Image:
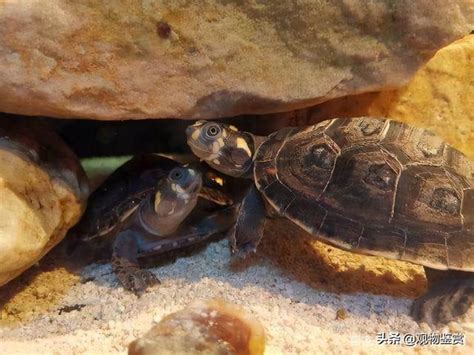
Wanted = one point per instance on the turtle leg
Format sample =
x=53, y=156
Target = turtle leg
x=125, y=264
x=450, y=295
x=248, y=230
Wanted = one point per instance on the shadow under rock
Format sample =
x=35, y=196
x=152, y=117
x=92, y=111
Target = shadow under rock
x=321, y=266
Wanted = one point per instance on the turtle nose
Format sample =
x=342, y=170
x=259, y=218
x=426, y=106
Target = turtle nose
x=196, y=183
x=190, y=130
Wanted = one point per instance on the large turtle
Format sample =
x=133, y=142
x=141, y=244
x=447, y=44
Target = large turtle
x=369, y=185
x=148, y=207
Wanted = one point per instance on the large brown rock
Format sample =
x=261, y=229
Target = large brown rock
x=43, y=191
x=440, y=97
x=138, y=59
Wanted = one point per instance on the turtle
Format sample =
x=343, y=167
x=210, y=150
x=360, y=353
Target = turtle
x=150, y=206
x=368, y=185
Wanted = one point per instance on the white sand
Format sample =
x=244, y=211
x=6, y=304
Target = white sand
x=298, y=318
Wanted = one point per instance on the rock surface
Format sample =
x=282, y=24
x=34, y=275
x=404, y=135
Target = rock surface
x=440, y=97
x=219, y=58
x=42, y=194
x=205, y=327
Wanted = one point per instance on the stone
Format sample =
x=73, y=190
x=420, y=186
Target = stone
x=204, y=327
x=43, y=192
x=215, y=58
x=440, y=97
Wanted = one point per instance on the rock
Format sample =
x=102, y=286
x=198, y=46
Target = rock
x=211, y=59
x=43, y=190
x=205, y=327
x=440, y=97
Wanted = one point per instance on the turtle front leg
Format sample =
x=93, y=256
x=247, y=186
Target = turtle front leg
x=449, y=297
x=248, y=230
x=125, y=264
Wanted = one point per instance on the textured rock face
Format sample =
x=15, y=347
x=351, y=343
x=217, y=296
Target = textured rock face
x=42, y=194
x=212, y=58
x=440, y=97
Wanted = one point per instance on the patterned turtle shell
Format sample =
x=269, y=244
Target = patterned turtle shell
x=374, y=186
x=121, y=193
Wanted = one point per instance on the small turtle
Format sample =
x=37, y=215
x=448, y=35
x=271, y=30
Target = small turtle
x=369, y=185
x=146, y=208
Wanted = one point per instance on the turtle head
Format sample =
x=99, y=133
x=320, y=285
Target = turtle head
x=177, y=195
x=222, y=146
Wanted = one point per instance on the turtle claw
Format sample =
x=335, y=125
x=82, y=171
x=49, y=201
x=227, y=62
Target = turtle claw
x=243, y=251
x=446, y=302
x=131, y=277
x=137, y=280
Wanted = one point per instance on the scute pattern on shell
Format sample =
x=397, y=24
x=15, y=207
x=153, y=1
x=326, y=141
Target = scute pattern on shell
x=375, y=186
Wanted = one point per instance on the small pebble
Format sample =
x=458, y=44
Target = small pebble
x=214, y=327
x=341, y=314
x=163, y=30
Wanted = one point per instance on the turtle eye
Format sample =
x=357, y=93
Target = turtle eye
x=176, y=174
x=213, y=130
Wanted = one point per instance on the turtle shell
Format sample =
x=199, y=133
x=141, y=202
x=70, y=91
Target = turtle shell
x=374, y=186
x=121, y=193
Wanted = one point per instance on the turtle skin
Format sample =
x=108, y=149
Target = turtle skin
x=117, y=197
x=378, y=187
x=110, y=227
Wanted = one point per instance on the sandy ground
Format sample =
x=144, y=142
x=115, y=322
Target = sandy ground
x=310, y=298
